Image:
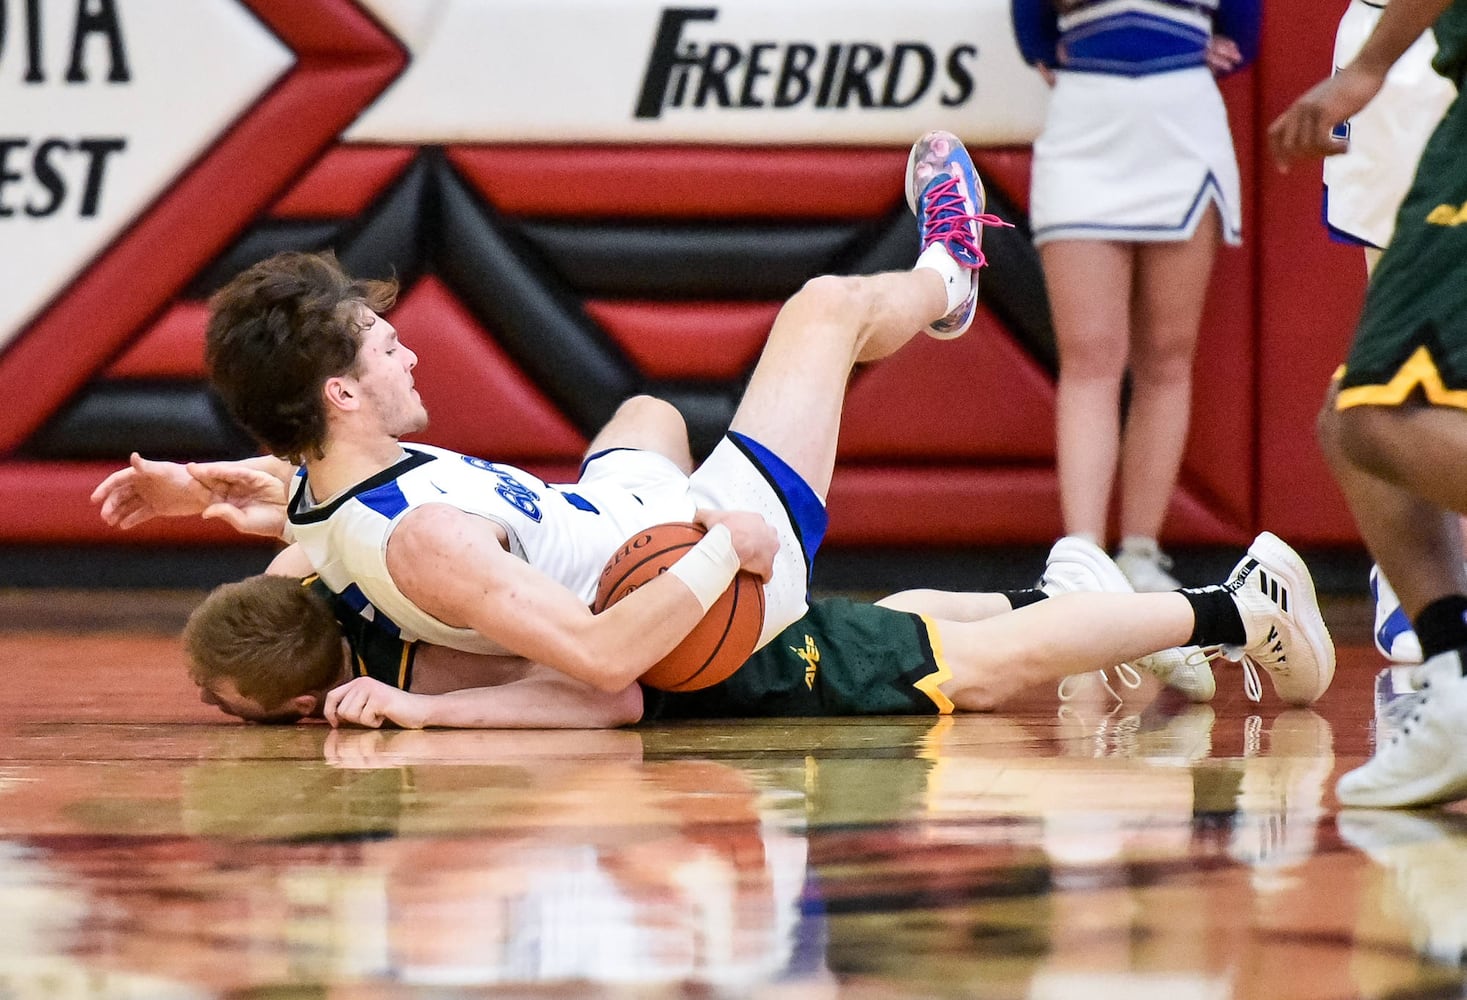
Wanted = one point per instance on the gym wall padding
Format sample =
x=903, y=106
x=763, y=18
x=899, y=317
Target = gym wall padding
x=543, y=283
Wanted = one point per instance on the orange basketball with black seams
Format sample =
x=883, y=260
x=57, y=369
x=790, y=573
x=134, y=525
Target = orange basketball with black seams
x=720, y=643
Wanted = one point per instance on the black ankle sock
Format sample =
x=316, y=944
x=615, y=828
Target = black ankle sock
x=1217, y=619
x=1023, y=598
x=1442, y=625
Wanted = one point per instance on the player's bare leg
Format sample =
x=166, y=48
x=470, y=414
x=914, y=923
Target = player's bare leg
x=793, y=402
x=1415, y=541
x=954, y=606
x=995, y=659
x=647, y=424
x=1266, y=611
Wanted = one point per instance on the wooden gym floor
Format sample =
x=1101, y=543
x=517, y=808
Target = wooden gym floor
x=151, y=848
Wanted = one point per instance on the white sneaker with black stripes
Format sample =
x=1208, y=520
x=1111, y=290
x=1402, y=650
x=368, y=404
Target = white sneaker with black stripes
x=1285, y=632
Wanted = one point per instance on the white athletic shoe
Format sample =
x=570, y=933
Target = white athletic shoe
x=1077, y=565
x=1146, y=567
x=1186, y=668
x=1285, y=633
x=1425, y=760
x=1394, y=637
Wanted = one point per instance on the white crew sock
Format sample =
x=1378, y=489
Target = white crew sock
x=956, y=278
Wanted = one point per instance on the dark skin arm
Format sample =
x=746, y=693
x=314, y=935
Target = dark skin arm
x=1303, y=131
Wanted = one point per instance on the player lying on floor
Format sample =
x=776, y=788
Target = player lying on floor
x=271, y=650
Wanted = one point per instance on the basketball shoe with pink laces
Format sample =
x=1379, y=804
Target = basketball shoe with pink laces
x=945, y=193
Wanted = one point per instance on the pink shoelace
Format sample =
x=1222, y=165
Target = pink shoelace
x=951, y=224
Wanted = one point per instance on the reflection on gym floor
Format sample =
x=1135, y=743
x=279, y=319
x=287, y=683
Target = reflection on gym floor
x=1138, y=848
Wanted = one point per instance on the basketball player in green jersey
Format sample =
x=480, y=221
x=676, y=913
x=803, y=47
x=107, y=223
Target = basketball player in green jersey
x=1394, y=429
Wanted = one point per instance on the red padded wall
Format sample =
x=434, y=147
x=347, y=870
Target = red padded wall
x=1308, y=296
x=945, y=444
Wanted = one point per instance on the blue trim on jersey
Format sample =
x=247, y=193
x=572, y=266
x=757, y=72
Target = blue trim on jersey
x=1209, y=185
x=386, y=500
x=316, y=515
x=357, y=601
x=353, y=597
x=579, y=502
x=807, y=513
x=586, y=462
x=1337, y=234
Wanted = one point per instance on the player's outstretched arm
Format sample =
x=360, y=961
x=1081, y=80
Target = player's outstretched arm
x=543, y=699
x=452, y=565
x=252, y=489
x=147, y=489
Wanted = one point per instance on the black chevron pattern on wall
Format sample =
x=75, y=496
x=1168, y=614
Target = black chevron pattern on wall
x=526, y=280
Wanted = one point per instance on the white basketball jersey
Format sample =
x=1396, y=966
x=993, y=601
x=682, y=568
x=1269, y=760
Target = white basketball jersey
x=1364, y=187
x=567, y=532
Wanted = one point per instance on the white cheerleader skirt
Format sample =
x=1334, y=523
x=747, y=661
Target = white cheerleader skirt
x=1364, y=187
x=1134, y=159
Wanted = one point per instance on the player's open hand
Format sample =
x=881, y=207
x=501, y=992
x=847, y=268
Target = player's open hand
x=248, y=499
x=1303, y=131
x=754, y=539
x=363, y=701
x=147, y=489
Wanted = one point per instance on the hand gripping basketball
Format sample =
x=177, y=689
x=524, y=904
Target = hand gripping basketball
x=720, y=643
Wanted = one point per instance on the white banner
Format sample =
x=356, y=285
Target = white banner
x=102, y=104
x=824, y=72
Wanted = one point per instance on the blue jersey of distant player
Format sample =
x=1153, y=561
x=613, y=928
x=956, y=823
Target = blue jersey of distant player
x=568, y=532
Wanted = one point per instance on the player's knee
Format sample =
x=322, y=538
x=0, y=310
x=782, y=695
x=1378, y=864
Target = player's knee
x=832, y=296
x=1369, y=437
x=652, y=413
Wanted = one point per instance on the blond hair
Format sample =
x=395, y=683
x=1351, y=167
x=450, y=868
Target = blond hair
x=273, y=637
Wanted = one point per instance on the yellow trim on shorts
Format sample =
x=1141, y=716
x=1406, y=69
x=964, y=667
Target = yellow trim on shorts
x=929, y=684
x=402, y=665
x=1418, y=371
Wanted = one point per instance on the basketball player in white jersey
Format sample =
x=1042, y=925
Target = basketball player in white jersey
x=269, y=648
x=486, y=558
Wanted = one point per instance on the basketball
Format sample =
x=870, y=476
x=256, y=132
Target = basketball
x=720, y=643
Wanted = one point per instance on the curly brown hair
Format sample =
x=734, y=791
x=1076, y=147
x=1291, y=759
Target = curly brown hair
x=273, y=637
x=276, y=333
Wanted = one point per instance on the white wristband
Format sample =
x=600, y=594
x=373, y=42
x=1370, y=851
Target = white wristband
x=708, y=567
